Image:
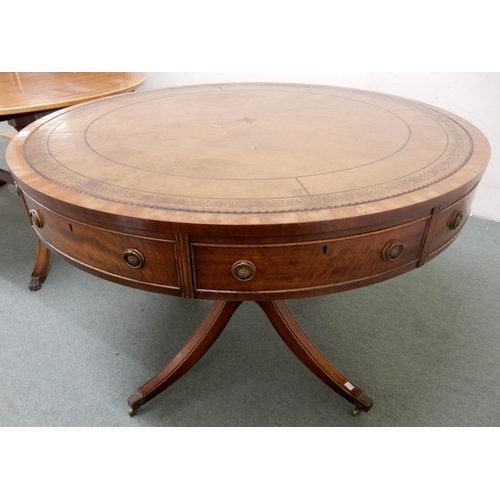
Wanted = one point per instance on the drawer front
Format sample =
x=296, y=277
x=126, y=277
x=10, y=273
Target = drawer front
x=308, y=265
x=450, y=222
x=138, y=259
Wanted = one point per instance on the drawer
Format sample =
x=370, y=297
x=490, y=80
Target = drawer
x=143, y=260
x=305, y=265
x=450, y=222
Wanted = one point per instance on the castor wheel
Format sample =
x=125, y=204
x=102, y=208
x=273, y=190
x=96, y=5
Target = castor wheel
x=356, y=411
x=132, y=412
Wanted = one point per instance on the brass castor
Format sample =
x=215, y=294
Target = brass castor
x=132, y=412
x=356, y=411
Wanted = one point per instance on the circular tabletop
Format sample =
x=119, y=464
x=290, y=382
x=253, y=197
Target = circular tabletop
x=34, y=92
x=249, y=154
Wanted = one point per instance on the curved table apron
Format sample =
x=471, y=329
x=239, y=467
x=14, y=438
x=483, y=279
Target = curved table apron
x=26, y=97
x=249, y=192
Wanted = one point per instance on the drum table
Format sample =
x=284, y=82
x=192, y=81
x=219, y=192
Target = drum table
x=25, y=97
x=248, y=192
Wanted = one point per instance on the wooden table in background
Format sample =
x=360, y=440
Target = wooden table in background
x=249, y=192
x=26, y=97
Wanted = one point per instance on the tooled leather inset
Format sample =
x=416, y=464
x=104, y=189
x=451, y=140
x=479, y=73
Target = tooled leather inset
x=449, y=159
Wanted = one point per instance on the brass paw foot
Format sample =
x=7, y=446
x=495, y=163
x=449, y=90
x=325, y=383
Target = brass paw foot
x=35, y=284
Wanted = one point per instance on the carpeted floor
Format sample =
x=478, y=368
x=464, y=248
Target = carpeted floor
x=425, y=346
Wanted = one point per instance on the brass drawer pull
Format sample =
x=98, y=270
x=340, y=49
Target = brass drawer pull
x=243, y=270
x=134, y=258
x=35, y=218
x=455, y=220
x=392, y=250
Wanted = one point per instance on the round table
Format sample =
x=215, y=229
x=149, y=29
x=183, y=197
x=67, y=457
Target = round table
x=26, y=97
x=249, y=192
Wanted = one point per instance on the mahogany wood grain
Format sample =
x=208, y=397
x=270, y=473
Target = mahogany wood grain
x=260, y=192
x=41, y=267
x=205, y=335
x=300, y=344
x=26, y=97
x=24, y=93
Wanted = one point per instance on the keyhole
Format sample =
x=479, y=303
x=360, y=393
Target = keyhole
x=325, y=247
x=70, y=227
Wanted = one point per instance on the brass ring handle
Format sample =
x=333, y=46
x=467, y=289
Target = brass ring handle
x=455, y=220
x=392, y=250
x=134, y=258
x=243, y=270
x=35, y=218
